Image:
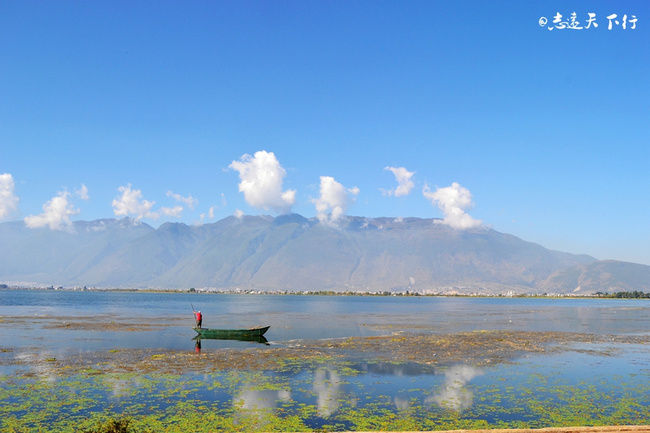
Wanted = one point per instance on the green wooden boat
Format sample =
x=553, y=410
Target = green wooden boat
x=231, y=333
x=252, y=338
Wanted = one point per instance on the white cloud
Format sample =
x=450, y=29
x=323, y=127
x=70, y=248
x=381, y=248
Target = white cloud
x=209, y=215
x=211, y=210
x=8, y=199
x=239, y=214
x=56, y=213
x=261, y=178
x=334, y=200
x=453, y=201
x=132, y=203
x=404, y=182
x=82, y=192
x=189, y=201
x=176, y=211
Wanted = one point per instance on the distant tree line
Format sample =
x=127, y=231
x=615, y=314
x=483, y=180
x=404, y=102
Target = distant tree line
x=635, y=294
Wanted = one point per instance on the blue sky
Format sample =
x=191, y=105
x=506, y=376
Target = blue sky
x=195, y=111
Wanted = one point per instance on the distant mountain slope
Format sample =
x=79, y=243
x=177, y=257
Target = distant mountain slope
x=49, y=256
x=291, y=252
x=607, y=276
x=144, y=258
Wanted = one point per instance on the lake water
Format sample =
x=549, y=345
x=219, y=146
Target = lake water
x=294, y=317
x=536, y=389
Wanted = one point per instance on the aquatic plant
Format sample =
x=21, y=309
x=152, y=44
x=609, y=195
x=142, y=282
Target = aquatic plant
x=315, y=392
x=122, y=425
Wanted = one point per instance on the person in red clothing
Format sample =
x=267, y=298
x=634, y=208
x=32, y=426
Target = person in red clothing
x=199, y=319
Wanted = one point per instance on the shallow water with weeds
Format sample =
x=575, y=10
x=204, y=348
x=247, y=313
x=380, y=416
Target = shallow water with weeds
x=336, y=394
x=384, y=379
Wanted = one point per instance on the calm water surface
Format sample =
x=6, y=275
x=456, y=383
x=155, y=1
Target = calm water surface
x=295, y=317
x=535, y=388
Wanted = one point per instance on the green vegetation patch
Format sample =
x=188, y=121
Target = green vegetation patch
x=321, y=387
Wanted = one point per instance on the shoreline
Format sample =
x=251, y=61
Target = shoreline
x=453, y=293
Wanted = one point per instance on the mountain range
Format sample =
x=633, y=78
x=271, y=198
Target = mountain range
x=294, y=253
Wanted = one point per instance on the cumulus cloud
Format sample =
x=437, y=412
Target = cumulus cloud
x=209, y=215
x=176, y=211
x=56, y=213
x=132, y=203
x=261, y=178
x=82, y=192
x=8, y=198
x=404, y=182
x=334, y=200
x=211, y=209
x=189, y=201
x=453, y=201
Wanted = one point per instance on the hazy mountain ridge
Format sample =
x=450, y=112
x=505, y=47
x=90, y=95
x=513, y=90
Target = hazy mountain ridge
x=291, y=252
x=607, y=276
x=43, y=254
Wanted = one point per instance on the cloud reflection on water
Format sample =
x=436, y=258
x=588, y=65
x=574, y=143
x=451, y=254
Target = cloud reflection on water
x=261, y=399
x=328, y=386
x=454, y=394
x=41, y=364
